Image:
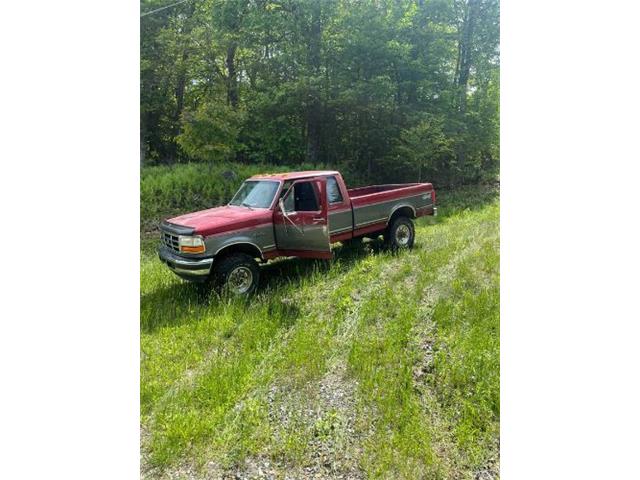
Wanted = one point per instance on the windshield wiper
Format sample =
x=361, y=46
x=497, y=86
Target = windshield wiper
x=246, y=205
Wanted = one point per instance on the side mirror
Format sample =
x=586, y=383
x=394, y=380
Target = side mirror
x=281, y=206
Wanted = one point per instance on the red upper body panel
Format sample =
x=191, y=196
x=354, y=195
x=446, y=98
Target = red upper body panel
x=223, y=219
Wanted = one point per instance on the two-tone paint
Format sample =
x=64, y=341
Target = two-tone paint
x=265, y=233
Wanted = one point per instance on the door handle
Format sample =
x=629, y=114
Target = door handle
x=318, y=219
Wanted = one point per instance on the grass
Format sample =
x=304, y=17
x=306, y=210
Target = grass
x=377, y=365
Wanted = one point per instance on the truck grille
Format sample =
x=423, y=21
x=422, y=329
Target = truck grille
x=170, y=241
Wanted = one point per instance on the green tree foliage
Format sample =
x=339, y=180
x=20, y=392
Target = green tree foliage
x=424, y=150
x=386, y=90
x=211, y=132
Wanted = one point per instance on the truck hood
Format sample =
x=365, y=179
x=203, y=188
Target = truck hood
x=222, y=219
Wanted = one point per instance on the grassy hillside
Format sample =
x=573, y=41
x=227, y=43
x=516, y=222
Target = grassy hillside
x=371, y=365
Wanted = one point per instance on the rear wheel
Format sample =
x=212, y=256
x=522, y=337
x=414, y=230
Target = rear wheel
x=400, y=234
x=237, y=274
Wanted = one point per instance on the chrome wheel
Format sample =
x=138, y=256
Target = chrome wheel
x=403, y=235
x=240, y=280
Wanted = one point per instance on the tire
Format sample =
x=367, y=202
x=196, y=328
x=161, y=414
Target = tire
x=237, y=274
x=400, y=234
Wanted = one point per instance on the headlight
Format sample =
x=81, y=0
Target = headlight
x=190, y=244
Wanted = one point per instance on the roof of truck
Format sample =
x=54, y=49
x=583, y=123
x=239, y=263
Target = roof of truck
x=294, y=175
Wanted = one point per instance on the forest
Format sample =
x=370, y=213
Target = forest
x=384, y=90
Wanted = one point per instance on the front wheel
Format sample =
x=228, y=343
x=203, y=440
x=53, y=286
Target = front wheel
x=237, y=274
x=400, y=234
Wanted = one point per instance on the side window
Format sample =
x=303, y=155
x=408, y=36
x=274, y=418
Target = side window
x=333, y=190
x=305, y=197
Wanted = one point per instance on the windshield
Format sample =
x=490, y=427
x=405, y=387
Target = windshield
x=255, y=194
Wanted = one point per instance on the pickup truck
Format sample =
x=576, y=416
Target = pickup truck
x=297, y=214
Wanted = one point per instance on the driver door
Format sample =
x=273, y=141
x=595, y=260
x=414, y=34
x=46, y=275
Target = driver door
x=301, y=220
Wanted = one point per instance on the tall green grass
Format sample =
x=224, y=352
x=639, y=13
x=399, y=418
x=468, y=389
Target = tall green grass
x=466, y=373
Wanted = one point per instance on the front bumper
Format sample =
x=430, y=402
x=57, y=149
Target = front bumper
x=192, y=269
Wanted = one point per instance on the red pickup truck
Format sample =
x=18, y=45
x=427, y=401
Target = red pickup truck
x=298, y=214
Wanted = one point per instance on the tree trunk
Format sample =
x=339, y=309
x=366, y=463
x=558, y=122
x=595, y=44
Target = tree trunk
x=419, y=45
x=313, y=107
x=232, y=76
x=180, y=86
x=465, y=48
x=176, y=127
x=143, y=149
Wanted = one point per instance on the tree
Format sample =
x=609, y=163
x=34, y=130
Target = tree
x=211, y=132
x=425, y=149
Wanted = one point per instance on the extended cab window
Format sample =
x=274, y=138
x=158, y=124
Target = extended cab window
x=333, y=190
x=255, y=194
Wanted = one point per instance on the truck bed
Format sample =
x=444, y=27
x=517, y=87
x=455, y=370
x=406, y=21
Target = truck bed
x=374, y=205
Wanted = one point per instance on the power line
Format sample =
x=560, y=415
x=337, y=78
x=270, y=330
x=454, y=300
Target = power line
x=163, y=8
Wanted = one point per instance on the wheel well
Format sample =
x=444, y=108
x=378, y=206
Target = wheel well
x=405, y=211
x=247, y=248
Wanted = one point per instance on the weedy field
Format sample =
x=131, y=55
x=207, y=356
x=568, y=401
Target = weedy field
x=372, y=365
